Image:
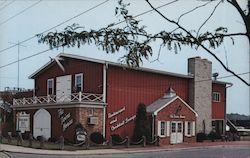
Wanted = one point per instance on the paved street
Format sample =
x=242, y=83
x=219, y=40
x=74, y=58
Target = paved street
x=211, y=152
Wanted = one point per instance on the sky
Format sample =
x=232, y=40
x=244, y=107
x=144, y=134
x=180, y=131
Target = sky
x=23, y=19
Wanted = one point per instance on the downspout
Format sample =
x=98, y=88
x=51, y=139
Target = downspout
x=104, y=92
x=225, y=112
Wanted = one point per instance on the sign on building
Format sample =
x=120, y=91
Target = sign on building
x=23, y=122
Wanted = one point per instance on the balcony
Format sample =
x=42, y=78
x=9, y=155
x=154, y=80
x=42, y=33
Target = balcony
x=54, y=99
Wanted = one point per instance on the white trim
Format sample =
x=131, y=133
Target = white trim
x=104, y=89
x=186, y=128
x=81, y=75
x=168, y=128
x=159, y=129
x=193, y=128
x=177, y=97
x=51, y=79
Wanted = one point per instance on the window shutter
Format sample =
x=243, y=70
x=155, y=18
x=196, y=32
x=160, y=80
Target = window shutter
x=186, y=128
x=193, y=128
x=168, y=128
x=159, y=128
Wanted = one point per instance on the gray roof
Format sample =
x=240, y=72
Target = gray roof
x=73, y=56
x=159, y=104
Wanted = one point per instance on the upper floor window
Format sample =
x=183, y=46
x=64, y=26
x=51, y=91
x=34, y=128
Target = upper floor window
x=79, y=82
x=216, y=97
x=50, y=86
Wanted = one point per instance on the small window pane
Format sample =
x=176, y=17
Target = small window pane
x=162, y=128
x=179, y=127
x=189, y=128
x=173, y=127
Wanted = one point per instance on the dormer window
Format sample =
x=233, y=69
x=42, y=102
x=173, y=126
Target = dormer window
x=169, y=93
x=50, y=86
x=79, y=82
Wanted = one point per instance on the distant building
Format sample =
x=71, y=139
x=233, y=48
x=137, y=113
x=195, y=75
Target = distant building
x=103, y=96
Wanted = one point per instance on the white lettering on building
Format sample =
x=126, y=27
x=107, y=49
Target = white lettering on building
x=65, y=119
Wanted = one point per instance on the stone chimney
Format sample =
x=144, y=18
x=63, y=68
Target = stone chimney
x=200, y=92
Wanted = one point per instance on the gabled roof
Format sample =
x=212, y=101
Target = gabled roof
x=162, y=102
x=64, y=55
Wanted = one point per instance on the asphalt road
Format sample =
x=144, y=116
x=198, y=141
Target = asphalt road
x=212, y=152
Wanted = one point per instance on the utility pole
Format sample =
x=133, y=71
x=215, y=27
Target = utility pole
x=18, y=58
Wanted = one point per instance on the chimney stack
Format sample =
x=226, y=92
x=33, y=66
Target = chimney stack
x=200, y=92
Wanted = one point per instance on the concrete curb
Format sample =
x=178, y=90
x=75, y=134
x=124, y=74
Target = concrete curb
x=104, y=151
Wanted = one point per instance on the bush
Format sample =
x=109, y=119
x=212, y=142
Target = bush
x=201, y=137
x=116, y=138
x=39, y=138
x=213, y=135
x=97, y=137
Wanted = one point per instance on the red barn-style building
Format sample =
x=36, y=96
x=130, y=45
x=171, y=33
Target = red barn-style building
x=103, y=96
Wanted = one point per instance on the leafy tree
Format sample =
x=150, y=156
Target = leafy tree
x=137, y=42
x=141, y=123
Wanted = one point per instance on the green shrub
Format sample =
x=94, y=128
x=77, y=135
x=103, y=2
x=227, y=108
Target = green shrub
x=201, y=137
x=213, y=135
x=97, y=137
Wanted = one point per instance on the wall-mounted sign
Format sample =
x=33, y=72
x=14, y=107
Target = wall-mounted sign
x=177, y=116
x=23, y=122
x=81, y=135
x=65, y=119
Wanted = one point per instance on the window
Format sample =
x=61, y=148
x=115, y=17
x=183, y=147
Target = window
x=50, y=86
x=179, y=129
x=189, y=128
x=163, y=129
x=216, y=97
x=79, y=82
x=90, y=112
x=173, y=126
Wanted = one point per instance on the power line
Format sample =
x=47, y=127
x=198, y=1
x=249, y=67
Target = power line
x=7, y=5
x=19, y=13
x=92, y=8
x=80, y=15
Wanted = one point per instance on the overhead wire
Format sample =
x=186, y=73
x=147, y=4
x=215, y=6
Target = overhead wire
x=31, y=6
x=80, y=15
x=7, y=5
x=92, y=8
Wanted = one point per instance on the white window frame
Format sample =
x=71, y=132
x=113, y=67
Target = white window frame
x=189, y=128
x=216, y=97
x=77, y=75
x=52, y=80
x=165, y=128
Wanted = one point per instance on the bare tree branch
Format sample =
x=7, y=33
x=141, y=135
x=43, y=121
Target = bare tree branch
x=198, y=43
x=203, y=5
x=208, y=18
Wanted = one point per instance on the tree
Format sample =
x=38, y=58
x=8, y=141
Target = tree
x=137, y=42
x=141, y=124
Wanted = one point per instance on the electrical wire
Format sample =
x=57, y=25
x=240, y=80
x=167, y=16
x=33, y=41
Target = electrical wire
x=5, y=21
x=80, y=15
x=7, y=5
x=92, y=8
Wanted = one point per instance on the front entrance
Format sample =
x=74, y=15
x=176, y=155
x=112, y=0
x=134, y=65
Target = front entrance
x=63, y=88
x=42, y=124
x=176, y=132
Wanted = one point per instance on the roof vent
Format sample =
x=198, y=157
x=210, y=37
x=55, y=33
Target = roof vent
x=169, y=93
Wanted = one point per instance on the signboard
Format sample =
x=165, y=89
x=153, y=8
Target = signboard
x=23, y=122
x=65, y=119
x=81, y=135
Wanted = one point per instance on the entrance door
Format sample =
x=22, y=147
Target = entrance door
x=63, y=88
x=42, y=124
x=176, y=132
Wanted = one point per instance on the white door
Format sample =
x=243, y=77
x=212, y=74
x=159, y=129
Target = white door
x=63, y=88
x=176, y=132
x=42, y=124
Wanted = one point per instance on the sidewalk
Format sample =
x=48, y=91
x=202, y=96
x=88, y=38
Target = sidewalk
x=185, y=146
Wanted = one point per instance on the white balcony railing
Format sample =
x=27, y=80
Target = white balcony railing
x=50, y=99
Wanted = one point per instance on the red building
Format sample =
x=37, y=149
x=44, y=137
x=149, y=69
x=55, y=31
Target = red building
x=103, y=96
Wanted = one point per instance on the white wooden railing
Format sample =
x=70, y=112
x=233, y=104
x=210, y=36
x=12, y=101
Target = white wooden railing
x=74, y=97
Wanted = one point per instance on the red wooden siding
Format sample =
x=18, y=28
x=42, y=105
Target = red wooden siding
x=218, y=108
x=126, y=87
x=92, y=73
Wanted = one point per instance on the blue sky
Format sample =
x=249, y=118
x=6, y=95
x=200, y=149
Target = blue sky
x=49, y=13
